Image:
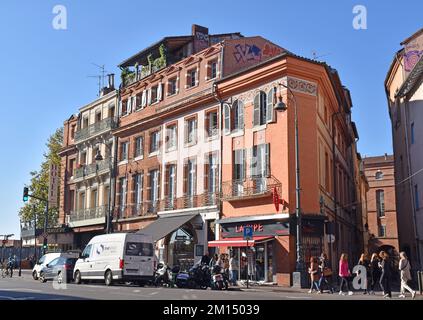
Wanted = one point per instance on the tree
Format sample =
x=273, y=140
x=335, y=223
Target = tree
x=40, y=183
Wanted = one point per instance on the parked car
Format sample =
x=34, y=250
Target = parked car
x=60, y=268
x=41, y=263
x=123, y=257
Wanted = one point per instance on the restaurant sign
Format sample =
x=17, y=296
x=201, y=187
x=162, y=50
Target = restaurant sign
x=260, y=228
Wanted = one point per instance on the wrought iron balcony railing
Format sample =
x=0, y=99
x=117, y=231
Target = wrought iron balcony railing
x=93, y=168
x=88, y=214
x=148, y=208
x=96, y=128
x=251, y=187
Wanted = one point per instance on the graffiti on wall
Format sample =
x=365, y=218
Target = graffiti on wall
x=411, y=58
x=251, y=52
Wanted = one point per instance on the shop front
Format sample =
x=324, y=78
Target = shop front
x=256, y=257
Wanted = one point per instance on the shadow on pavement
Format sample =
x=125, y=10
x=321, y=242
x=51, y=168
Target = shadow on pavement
x=22, y=295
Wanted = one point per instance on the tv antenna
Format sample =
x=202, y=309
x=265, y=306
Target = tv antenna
x=100, y=77
x=315, y=56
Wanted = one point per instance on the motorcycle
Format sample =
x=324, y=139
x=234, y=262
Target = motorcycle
x=163, y=275
x=219, y=279
x=197, y=276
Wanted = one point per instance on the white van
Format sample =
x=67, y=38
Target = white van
x=117, y=257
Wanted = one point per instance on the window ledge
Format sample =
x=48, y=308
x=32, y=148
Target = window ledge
x=259, y=128
x=237, y=133
x=138, y=158
x=171, y=95
x=190, y=144
x=171, y=149
x=215, y=137
x=189, y=88
x=153, y=154
x=123, y=162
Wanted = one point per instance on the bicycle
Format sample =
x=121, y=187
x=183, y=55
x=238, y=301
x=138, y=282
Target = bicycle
x=5, y=272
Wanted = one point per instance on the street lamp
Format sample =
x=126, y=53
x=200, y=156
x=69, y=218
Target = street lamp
x=299, y=276
x=98, y=158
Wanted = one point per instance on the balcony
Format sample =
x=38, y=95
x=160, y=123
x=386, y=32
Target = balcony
x=250, y=188
x=95, y=129
x=133, y=76
x=86, y=217
x=149, y=208
x=93, y=169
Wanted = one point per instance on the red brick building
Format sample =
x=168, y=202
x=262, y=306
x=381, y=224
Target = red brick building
x=381, y=207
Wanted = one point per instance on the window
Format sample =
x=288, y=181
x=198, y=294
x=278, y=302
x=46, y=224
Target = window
x=137, y=249
x=327, y=173
x=382, y=231
x=138, y=99
x=156, y=93
x=171, y=89
x=379, y=175
x=190, y=177
x=139, y=147
x=260, y=161
x=85, y=122
x=239, y=169
x=71, y=167
x=154, y=187
x=380, y=203
x=171, y=137
x=191, y=131
x=98, y=116
x=170, y=180
x=124, y=107
x=83, y=158
x=416, y=197
x=263, y=107
x=212, y=69
x=211, y=172
x=81, y=201
x=94, y=198
x=192, y=78
x=87, y=251
x=124, y=151
x=212, y=123
x=122, y=194
x=154, y=141
x=412, y=133
x=72, y=132
x=237, y=115
x=138, y=189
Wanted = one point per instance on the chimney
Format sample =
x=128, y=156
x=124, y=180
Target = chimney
x=111, y=79
x=201, y=37
x=386, y=156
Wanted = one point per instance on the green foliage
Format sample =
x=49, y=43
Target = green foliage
x=39, y=184
x=161, y=61
x=126, y=75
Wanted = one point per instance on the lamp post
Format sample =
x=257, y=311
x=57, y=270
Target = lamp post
x=99, y=157
x=20, y=251
x=299, y=276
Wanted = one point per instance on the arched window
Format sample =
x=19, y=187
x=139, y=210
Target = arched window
x=379, y=175
x=237, y=115
x=263, y=107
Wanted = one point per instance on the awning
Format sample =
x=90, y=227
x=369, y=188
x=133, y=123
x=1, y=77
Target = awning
x=239, y=242
x=165, y=225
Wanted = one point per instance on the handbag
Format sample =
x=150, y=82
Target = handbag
x=327, y=272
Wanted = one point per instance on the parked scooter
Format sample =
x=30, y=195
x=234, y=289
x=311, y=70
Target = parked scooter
x=163, y=275
x=197, y=276
x=219, y=279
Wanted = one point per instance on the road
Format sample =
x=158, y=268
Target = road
x=25, y=288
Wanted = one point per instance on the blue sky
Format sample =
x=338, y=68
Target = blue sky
x=44, y=72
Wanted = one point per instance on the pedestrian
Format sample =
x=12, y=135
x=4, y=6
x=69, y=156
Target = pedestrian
x=314, y=274
x=404, y=267
x=233, y=269
x=221, y=261
x=374, y=272
x=10, y=265
x=385, y=277
x=226, y=265
x=213, y=261
x=325, y=273
x=205, y=259
x=364, y=261
x=344, y=274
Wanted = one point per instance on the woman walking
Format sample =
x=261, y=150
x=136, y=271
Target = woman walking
x=344, y=273
x=404, y=267
x=314, y=274
x=365, y=263
x=325, y=273
x=374, y=272
x=385, y=278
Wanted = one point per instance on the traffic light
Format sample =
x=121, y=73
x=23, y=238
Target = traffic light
x=25, y=194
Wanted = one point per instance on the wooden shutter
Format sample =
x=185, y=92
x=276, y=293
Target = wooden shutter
x=253, y=159
x=269, y=110
x=267, y=159
x=149, y=96
x=186, y=131
x=240, y=115
x=159, y=196
x=144, y=99
x=159, y=91
x=206, y=172
x=149, y=186
x=227, y=116
x=186, y=176
x=120, y=109
x=256, y=115
x=166, y=182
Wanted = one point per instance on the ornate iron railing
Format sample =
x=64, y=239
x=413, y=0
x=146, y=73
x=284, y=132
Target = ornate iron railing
x=93, y=168
x=250, y=187
x=87, y=214
x=96, y=128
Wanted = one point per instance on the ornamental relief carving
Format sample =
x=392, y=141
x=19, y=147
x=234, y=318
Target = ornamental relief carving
x=295, y=84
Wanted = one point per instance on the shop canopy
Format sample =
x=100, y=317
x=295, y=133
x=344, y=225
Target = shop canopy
x=165, y=225
x=239, y=242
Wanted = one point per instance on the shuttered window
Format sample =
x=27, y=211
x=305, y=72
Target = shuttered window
x=237, y=115
x=260, y=161
x=263, y=108
x=227, y=118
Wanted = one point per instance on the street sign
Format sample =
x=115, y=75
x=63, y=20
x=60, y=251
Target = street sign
x=53, y=185
x=248, y=233
x=331, y=238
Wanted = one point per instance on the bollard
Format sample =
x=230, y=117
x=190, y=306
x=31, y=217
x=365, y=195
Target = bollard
x=420, y=280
